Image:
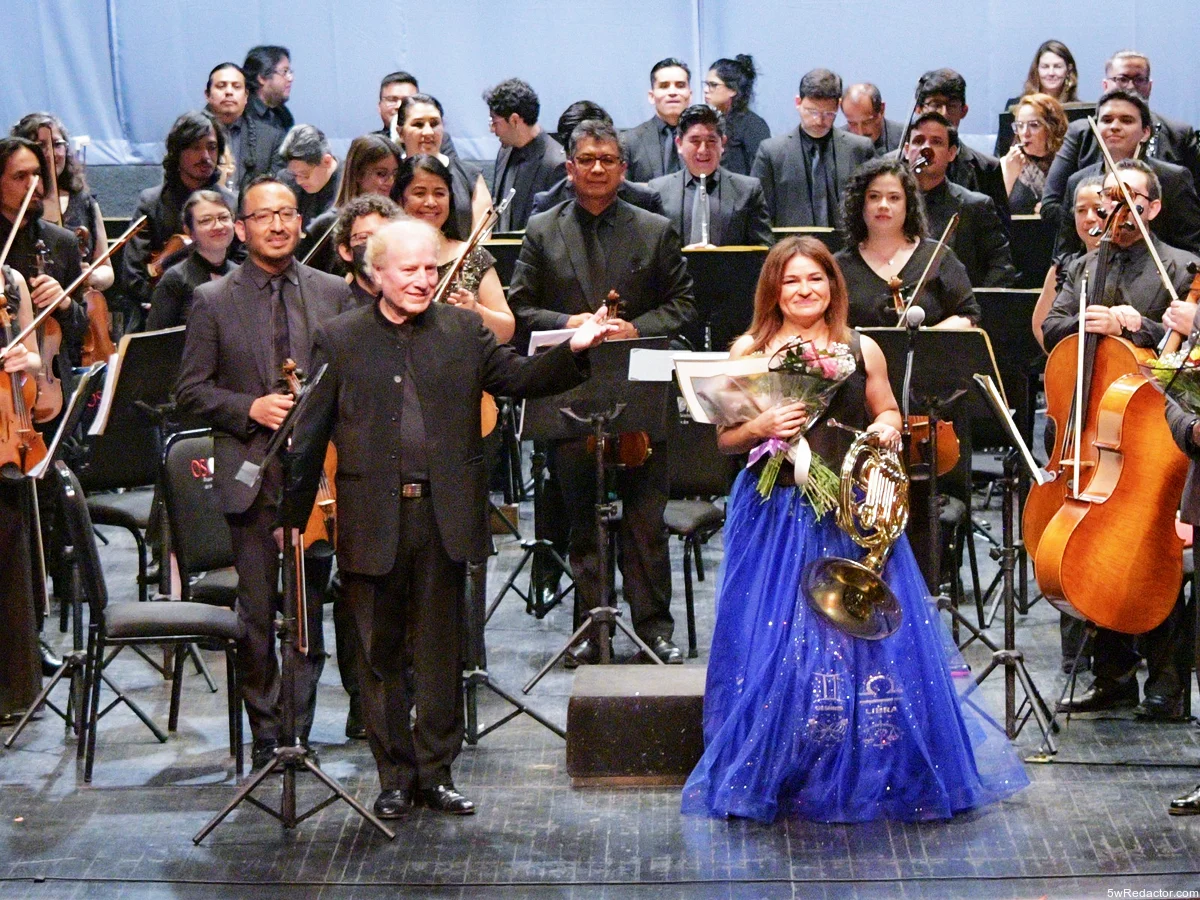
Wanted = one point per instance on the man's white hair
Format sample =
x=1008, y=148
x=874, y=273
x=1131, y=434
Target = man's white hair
x=396, y=234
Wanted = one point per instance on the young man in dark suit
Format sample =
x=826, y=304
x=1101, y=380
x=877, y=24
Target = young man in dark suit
x=804, y=172
x=270, y=76
x=252, y=144
x=240, y=331
x=737, y=210
x=530, y=160
x=412, y=496
x=652, y=144
x=573, y=258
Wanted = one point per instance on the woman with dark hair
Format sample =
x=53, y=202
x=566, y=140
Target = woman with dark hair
x=800, y=718
x=1039, y=126
x=77, y=206
x=425, y=188
x=1053, y=72
x=886, y=245
x=420, y=121
x=728, y=88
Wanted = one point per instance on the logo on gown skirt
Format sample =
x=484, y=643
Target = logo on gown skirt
x=879, y=709
x=828, y=721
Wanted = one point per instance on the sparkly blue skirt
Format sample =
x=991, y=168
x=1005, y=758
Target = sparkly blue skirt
x=803, y=720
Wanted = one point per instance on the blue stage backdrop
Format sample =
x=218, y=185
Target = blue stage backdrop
x=120, y=71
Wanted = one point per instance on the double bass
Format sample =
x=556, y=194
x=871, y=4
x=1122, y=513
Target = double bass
x=1102, y=531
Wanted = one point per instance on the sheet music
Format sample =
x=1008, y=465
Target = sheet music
x=110, y=388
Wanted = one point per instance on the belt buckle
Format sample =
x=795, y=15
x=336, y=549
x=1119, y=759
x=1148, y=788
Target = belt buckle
x=412, y=491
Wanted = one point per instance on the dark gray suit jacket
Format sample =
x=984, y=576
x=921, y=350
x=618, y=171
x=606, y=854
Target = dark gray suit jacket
x=644, y=265
x=1181, y=422
x=228, y=364
x=779, y=165
x=355, y=405
x=980, y=241
x=645, y=147
x=633, y=192
x=743, y=218
x=543, y=164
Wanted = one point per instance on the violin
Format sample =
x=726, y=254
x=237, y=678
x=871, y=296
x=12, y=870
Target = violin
x=97, y=343
x=322, y=521
x=924, y=158
x=159, y=261
x=49, y=402
x=20, y=444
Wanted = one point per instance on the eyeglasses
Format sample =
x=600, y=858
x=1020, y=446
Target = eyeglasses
x=1130, y=80
x=289, y=72
x=816, y=115
x=360, y=238
x=287, y=215
x=713, y=85
x=1031, y=125
x=218, y=219
x=587, y=161
x=59, y=144
x=942, y=106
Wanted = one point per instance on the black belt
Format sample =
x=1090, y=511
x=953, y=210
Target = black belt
x=414, y=490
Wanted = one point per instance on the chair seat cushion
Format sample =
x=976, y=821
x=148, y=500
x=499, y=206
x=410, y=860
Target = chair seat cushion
x=685, y=517
x=218, y=587
x=124, y=509
x=170, y=619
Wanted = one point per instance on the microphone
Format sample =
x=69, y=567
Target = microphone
x=914, y=316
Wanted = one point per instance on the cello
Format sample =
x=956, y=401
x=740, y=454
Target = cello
x=1110, y=554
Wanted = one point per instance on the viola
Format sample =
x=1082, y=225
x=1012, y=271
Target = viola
x=49, y=402
x=20, y=444
x=97, y=343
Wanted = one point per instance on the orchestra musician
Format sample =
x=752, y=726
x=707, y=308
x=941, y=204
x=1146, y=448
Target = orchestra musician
x=241, y=330
x=864, y=109
x=736, y=209
x=393, y=88
x=411, y=517
x=651, y=144
x=270, y=76
x=208, y=221
x=729, y=88
x=530, y=160
x=1132, y=307
x=1039, y=125
x=356, y=221
x=251, y=144
x=312, y=172
x=572, y=257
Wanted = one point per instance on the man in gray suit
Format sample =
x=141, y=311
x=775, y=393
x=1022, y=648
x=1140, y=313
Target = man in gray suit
x=240, y=331
x=530, y=160
x=652, y=144
x=735, y=206
x=804, y=172
x=864, y=109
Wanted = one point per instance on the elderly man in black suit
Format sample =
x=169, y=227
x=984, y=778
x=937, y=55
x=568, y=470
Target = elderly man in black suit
x=530, y=160
x=574, y=257
x=651, y=145
x=252, y=145
x=240, y=332
x=980, y=241
x=739, y=214
x=804, y=172
x=1125, y=123
x=412, y=496
x=1169, y=140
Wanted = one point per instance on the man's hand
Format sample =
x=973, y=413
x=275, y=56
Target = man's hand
x=463, y=298
x=592, y=330
x=44, y=289
x=271, y=409
x=625, y=330
x=1179, y=316
x=1111, y=320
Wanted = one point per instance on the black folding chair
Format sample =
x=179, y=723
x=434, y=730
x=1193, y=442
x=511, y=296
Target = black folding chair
x=133, y=624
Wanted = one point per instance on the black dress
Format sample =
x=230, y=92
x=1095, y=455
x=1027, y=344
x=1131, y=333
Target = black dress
x=745, y=130
x=947, y=292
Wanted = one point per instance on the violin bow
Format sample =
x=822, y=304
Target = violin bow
x=33, y=183
x=938, y=252
x=74, y=285
x=319, y=244
x=492, y=217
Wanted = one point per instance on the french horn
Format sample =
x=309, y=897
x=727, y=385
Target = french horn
x=873, y=510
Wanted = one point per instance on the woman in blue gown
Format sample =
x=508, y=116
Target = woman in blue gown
x=801, y=719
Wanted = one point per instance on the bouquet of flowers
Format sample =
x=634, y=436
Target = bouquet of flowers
x=1177, y=375
x=799, y=371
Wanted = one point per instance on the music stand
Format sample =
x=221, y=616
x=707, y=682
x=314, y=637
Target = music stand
x=724, y=279
x=139, y=387
x=603, y=406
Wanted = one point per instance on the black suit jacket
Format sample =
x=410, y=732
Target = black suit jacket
x=980, y=241
x=1178, y=224
x=640, y=195
x=172, y=298
x=743, y=218
x=543, y=163
x=228, y=364
x=645, y=147
x=779, y=165
x=356, y=406
x=1171, y=141
x=550, y=281
x=1181, y=422
x=260, y=149
x=981, y=173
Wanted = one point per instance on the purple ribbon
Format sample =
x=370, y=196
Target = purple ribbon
x=771, y=446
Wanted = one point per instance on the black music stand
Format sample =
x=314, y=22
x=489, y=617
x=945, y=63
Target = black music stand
x=607, y=404
x=290, y=756
x=724, y=279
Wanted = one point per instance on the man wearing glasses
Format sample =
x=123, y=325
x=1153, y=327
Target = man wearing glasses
x=269, y=75
x=804, y=172
x=864, y=109
x=1169, y=140
x=240, y=331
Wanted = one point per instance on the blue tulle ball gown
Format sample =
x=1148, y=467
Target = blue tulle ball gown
x=803, y=720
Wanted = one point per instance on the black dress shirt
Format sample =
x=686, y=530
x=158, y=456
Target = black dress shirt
x=298, y=337
x=810, y=146
x=171, y=300
x=414, y=465
x=980, y=241
x=279, y=116
x=744, y=131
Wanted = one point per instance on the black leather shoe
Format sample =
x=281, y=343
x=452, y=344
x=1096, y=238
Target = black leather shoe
x=262, y=753
x=1083, y=665
x=444, y=798
x=50, y=662
x=355, y=728
x=1102, y=695
x=393, y=804
x=1161, y=709
x=1187, y=805
x=585, y=653
x=666, y=651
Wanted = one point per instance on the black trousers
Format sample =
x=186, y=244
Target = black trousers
x=643, y=553
x=1166, y=648
x=409, y=628
x=20, y=662
x=256, y=558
